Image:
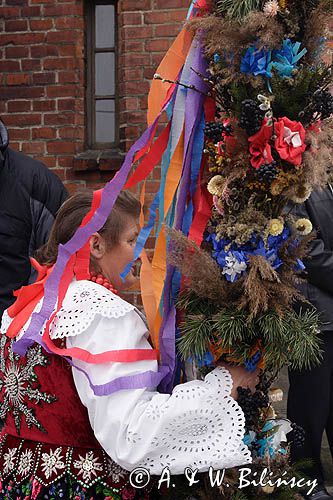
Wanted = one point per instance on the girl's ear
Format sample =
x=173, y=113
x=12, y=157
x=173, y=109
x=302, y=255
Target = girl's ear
x=97, y=246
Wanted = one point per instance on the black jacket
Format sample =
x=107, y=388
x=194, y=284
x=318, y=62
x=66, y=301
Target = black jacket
x=319, y=266
x=30, y=196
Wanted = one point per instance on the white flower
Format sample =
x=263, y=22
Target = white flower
x=88, y=466
x=51, y=462
x=280, y=436
x=233, y=267
x=9, y=460
x=271, y=8
x=26, y=463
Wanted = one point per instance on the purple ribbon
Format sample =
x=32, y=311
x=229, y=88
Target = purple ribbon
x=137, y=381
x=193, y=113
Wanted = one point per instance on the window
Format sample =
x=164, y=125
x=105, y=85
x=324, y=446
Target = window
x=101, y=74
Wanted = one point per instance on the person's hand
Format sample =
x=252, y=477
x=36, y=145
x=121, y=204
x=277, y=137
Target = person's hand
x=241, y=378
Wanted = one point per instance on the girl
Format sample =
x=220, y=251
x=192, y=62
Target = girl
x=75, y=433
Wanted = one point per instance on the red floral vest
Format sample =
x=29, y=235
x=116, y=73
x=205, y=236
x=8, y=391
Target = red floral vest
x=47, y=433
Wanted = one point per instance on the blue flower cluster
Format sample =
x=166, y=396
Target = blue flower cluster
x=284, y=61
x=233, y=259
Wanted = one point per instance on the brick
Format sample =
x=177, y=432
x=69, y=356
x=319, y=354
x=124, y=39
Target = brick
x=59, y=119
x=21, y=92
x=17, y=2
x=131, y=19
x=59, y=63
x=71, y=133
x=148, y=72
x=132, y=32
x=18, y=134
x=17, y=52
x=133, y=5
x=61, y=36
x=44, y=133
x=129, y=132
x=172, y=4
x=132, y=88
x=132, y=46
x=44, y=51
x=50, y=162
x=135, y=117
x=69, y=76
x=31, y=65
x=47, y=105
x=156, y=58
x=69, y=22
x=41, y=24
x=10, y=12
x=24, y=119
x=33, y=147
x=70, y=50
x=8, y=66
x=63, y=10
x=157, y=45
x=66, y=104
x=64, y=91
x=61, y=147
x=66, y=163
x=133, y=60
x=162, y=17
x=129, y=103
x=19, y=25
x=164, y=30
x=29, y=12
x=44, y=78
x=42, y=2
x=18, y=79
x=22, y=38
x=18, y=106
x=130, y=74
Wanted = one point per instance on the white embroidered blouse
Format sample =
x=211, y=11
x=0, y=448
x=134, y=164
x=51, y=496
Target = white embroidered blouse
x=199, y=425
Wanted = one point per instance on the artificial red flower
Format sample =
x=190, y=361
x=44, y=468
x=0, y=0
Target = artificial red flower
x=290, y=140
x=260, y=149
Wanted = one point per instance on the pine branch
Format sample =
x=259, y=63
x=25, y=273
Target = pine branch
x=196, y=334
x=231, y=327
x=237, y=9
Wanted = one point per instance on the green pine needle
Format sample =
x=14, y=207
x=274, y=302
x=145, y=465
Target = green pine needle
x=290, y=340
x=237, y=9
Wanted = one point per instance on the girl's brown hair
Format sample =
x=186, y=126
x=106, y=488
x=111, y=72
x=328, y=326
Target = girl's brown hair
x=71, y=214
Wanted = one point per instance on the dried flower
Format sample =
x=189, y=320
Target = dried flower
x=275, y=227
x=303, y=227
x=216, y=185
x=271, y=8
x=300, y=193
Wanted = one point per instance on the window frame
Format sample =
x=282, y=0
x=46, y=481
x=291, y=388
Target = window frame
x=91, y=99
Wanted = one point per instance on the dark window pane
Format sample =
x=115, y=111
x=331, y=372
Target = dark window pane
x=105, y=120
x=105, y=73
x=104, y=26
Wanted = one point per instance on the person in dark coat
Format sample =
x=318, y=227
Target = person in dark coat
x=310, y=398
x=30, y=196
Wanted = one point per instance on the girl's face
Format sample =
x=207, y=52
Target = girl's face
x=112, y=261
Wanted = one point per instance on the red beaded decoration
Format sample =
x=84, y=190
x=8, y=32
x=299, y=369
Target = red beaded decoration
x=101, y=280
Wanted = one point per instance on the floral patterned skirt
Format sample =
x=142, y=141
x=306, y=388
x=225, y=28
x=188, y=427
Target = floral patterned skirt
x=65, y=489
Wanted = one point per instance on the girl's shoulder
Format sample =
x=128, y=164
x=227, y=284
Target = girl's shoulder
x=83, y=303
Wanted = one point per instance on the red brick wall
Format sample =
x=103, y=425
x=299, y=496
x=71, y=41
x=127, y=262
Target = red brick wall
x=42, y=76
